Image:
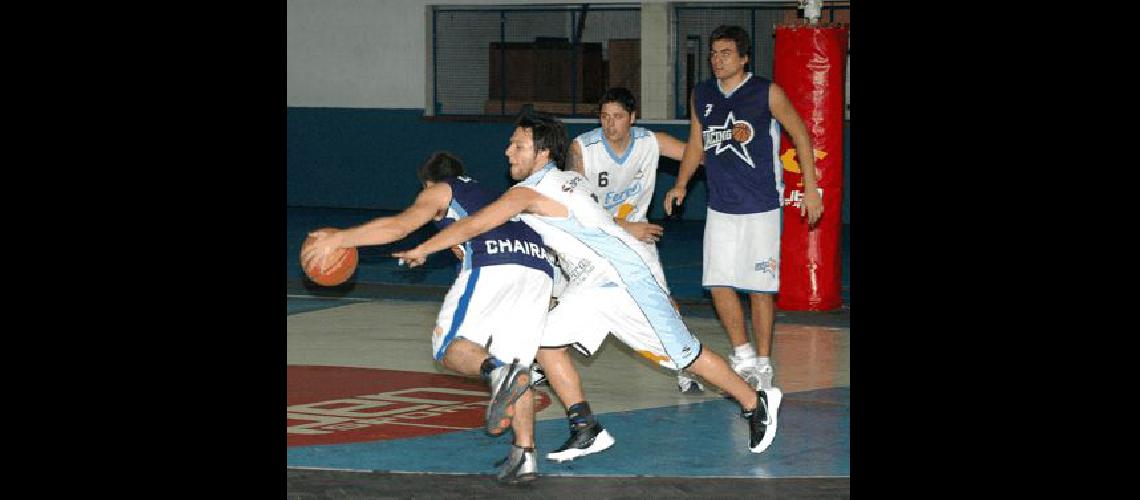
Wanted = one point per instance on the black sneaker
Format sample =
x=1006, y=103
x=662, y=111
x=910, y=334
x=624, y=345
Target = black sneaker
x=582, y=442
x=762, y=420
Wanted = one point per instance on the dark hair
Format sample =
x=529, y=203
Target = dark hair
x=549, y=133
x=439, y=165
x=620, y=95
x=736, y=34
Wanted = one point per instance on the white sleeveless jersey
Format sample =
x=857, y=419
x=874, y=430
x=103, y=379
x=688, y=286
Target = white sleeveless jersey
x=624, y=184
x=592, y=249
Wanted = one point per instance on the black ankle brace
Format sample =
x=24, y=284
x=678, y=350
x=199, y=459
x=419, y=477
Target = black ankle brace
x=580, y=415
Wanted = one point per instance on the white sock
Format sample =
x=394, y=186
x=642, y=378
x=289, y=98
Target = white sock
x=744, y=351
x=762, y=361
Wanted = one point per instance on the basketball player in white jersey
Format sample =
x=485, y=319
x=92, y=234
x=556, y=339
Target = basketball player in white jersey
x=610, y=287
x=620, y=161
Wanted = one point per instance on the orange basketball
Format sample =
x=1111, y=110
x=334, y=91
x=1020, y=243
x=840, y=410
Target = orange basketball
x=342, y=265
x=741, y=132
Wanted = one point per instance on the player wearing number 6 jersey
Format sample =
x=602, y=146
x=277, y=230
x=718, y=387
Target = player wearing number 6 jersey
x=620, y=161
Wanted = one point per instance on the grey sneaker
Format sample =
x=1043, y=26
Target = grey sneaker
x=748, y=370
x=762, y=420
x=688, y=385
x=519, y=467
x=508, y=383
x=766, y=372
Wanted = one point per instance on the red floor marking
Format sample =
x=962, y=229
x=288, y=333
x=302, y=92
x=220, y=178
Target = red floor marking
x=337, y=405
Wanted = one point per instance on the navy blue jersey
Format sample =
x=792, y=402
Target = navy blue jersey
x=511, y=243
x=741, y=141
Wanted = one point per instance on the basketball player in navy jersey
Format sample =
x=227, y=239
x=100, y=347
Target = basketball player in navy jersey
x=610, y=287
x=736, y=117
x=500, y=298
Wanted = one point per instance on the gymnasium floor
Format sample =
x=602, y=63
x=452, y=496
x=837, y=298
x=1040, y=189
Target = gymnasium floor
x=370, y=415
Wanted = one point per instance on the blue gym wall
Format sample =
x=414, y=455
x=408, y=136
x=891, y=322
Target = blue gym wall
x=366, y=158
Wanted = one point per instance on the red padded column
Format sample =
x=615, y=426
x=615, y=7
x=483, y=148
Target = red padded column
x=810, y=62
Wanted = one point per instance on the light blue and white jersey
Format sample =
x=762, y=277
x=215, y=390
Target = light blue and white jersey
x=624, y=183
x=592, y=249
x=599, y=256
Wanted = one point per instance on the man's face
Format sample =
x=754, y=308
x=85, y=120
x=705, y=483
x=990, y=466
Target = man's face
x=521, y=154
x=616, y=121
x=726, y=63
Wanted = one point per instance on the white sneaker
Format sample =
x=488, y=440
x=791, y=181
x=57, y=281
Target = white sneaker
x=748, y=370
x=689, y=385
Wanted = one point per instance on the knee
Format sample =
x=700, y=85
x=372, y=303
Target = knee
x=761, y=298
x=704, y=360
x=551, y=354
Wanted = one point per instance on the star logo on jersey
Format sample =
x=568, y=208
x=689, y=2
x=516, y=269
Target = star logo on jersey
x=732, y=136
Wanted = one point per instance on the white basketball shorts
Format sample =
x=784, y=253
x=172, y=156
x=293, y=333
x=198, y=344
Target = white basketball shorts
x=503, y=306
x=742, y=251
x=645, y=321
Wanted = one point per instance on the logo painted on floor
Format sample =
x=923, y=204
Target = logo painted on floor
x=337, y=405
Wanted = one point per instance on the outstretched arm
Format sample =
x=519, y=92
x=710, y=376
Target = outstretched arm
x=785, y=113
x=383, y=230
x=513, y=202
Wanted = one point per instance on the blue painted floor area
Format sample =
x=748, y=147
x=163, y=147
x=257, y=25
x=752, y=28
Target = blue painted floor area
x=680, y=249
x=707, y=439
